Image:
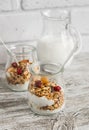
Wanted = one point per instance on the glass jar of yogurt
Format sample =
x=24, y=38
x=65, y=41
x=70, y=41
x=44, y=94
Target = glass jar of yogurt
x=45, y=91
x=17, y=73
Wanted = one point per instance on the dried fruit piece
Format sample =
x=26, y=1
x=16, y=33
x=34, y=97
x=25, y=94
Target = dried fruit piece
x=44, y=80
x=19, y=71
x=14, y=64
x=24, y=61
x=57, y=88
x=38, y=83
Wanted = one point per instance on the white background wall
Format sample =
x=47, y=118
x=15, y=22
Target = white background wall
x=20, y=20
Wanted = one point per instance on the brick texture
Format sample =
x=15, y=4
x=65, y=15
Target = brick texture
x=80, y=19
x=8, y=5
x=20, y=26
x=85, y=43
x=36, y=4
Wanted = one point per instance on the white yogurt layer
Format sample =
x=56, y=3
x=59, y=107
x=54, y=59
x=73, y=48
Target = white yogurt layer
x=18, y=87
x=7, y=74
x=37, y=110
x=36, y=102
x=39, y=101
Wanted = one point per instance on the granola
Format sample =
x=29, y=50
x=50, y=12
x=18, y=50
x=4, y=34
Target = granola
x=18, y=73
x=50, y=89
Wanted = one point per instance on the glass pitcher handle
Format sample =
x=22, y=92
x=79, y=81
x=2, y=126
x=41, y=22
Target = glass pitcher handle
x=74, y=33
x=76, y=38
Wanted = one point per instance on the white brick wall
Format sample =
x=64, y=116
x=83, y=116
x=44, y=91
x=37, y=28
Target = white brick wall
x=20, y=26
x=20, y=20
x=8, y=5
x=85, y=43
x=80, y=19
x=36, y=4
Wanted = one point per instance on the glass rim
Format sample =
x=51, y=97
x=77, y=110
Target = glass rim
x=29, y=48
x=44, y=71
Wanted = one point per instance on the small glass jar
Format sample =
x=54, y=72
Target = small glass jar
x=45, y=91
x=17, y=73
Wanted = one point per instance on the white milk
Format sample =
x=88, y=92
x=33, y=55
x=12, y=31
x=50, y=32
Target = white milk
x=54, y=49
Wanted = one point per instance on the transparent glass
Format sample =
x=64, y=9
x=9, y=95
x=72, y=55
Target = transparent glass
x=59, y=41
x=45, y=91
x=18, y=74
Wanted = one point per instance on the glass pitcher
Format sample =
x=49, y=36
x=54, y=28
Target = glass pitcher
x=59, y=41
x=17, y=73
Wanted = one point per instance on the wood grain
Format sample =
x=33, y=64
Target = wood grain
x=15, y=114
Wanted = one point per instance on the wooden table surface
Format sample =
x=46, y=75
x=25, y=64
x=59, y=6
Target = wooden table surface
x=16, y=115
